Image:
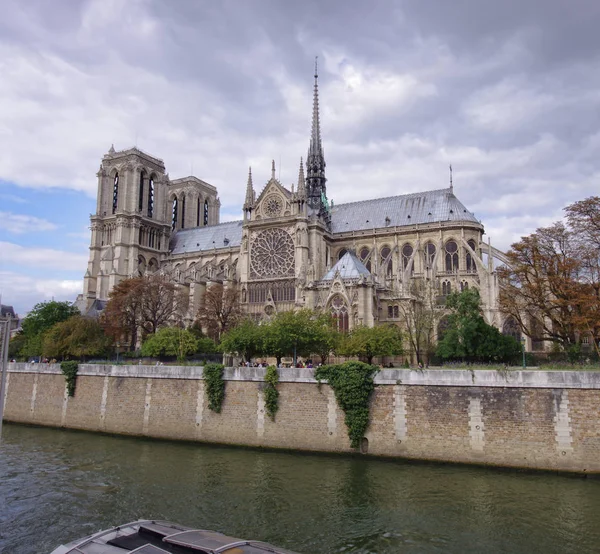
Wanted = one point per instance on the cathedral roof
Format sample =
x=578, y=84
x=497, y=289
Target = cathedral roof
x=207, y=238
x=407, y=209
x=349, y=267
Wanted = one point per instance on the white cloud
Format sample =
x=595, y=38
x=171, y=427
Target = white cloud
x=23, y=291
x=21, y=223
x=48, y=258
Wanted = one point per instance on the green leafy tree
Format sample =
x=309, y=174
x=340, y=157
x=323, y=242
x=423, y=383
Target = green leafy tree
x=368, y=342
x=41, y=318
x=245, y=340
x=469, y=338
x=327, y=338
x=169, y=342
x=16, y=345
x=292, y=332
x=77, y=337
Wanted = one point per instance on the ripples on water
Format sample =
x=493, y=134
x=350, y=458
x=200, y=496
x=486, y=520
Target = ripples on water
x=58, y=485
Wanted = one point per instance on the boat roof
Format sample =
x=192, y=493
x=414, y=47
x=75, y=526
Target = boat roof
x=160, y=537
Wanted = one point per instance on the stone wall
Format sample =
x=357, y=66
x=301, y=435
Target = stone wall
x=528, y=419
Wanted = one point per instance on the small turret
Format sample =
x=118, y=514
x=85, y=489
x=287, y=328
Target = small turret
x=249, y=202
x=301, y=182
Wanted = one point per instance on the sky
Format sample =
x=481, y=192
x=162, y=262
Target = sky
x=507, y=92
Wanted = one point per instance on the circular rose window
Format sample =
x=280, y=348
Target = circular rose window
x=273, y=205
x=272, y=254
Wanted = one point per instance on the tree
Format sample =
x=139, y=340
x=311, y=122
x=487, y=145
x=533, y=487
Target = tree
x=547, y=288
x=420, y=317
x=142, y=303
x=16, y=345
x=77, y=337
x=368, y=342
x=290, y=333
x=468, y=337
x=219, y=309
x=41, y=318
x=170, y=341
x=327, y=338
x=245, y=340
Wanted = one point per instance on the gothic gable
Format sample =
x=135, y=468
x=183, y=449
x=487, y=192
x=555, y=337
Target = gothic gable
x=274, y=201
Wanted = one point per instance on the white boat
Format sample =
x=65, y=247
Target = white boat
x=162, y=537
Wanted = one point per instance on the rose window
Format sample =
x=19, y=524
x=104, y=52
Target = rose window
x=272, y=254
x=273, y=205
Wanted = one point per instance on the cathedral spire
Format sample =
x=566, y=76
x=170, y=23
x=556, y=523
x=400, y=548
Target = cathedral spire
x=272, y=169
x=301, y=182
x=249, y=202
x=315, y=161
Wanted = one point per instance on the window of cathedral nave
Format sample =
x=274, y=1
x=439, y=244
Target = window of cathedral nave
x=429, y=254
x=393, y=312
x=183, y=211
x=364, y=257
x=407, y=252
x=198, y=211
x=470, y=263
x=281, y=291
x=386, y=260
x=451, y=256
x=206, y=212
x=464, y=286
x=446, y=288
x=342, y=253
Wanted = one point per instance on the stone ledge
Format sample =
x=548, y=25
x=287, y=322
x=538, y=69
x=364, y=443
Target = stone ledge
x=428, y=377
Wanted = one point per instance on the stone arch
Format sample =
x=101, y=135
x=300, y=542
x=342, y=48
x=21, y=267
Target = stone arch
x=386, y=259
x=364, y=254
x=407, y=253
x=141, y=268
x=429, y=251
x=470, y=264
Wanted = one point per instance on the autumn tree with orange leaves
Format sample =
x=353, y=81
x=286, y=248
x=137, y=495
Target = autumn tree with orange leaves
x=219, y=310
x=551, y=285
x=142, y=305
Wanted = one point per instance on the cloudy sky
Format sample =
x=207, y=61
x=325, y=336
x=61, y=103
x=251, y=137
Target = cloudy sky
x=508, y=92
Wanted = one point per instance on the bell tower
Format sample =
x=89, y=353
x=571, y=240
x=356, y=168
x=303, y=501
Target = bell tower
x=131, y=226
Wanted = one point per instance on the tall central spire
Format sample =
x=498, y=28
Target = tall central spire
x=315, y=161
x=315, y=135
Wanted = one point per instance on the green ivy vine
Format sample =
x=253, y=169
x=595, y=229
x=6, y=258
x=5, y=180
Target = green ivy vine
x=69, y=370
x=215, y=385
x=270, y=391
x=352, y=383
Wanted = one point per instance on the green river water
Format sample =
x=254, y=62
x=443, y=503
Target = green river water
x=57, y=485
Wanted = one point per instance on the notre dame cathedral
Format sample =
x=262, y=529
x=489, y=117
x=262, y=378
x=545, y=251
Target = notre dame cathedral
x=293, y=248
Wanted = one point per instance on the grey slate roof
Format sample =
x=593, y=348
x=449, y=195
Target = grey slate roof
x=349, y=266
x=407, y=209
x=207, y=238
x=7, y=310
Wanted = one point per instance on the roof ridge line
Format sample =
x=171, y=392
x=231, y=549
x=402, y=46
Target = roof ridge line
x=392, y=196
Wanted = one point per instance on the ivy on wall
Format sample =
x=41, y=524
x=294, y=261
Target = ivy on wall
x=270, y=391
x=69, y=370
x=352, y=383
x=215, y=385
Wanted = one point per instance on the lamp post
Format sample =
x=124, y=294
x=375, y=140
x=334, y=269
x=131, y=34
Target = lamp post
x=118, y=345
x=523, y=350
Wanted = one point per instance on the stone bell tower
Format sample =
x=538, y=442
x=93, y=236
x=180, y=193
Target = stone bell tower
x=131, y=226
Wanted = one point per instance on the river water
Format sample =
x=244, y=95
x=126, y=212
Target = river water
x=57, y=485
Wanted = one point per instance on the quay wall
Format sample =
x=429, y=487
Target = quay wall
x=546, y=420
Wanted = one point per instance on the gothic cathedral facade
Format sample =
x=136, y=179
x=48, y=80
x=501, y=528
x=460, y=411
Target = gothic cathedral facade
x=293, y=248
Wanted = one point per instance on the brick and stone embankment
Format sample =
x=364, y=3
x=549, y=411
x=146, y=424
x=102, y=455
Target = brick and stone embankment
x=525, y=419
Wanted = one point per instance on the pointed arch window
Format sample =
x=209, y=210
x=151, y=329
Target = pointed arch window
x=206, y=212
x=141, y=192
x=342, y=253
x=469, y=258
x=151, y=196
x=464, y=286
x=429, y=254
x=364, y=254
x=451, y=256
x=407, y=252
x=512, y=329
x=446, y=288
x=198, y=211
x=174, y=215
x=183, y=212
x=386, y=260
x=339, y=312
x=115, y=193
